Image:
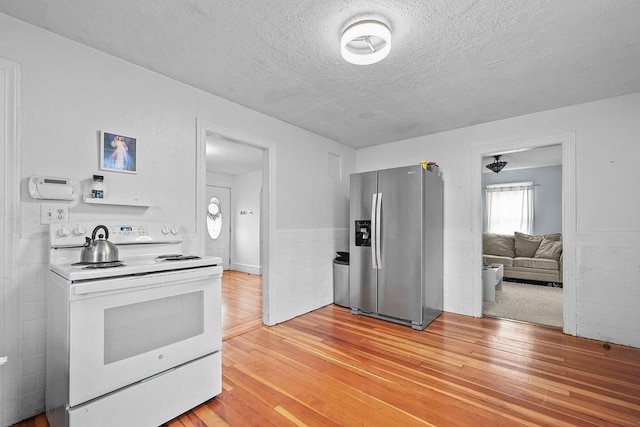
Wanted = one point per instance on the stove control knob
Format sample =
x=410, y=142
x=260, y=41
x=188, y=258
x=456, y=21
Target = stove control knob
x=165, y=229
x=64, y=231
x=79, y=230
x=174, y=230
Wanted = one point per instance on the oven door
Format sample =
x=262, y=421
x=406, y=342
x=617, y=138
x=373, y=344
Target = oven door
x=129, y=329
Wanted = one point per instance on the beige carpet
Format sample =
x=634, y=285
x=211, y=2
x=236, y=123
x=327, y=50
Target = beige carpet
x=528, y=303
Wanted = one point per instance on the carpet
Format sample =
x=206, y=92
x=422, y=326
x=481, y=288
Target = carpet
x=528, y=303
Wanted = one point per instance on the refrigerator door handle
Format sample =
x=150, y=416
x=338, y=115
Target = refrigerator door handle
x=374, y=202
x=378, y=234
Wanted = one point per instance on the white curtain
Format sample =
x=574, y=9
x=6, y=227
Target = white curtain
x=510, y=208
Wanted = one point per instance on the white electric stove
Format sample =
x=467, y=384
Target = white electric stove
x=135, y=344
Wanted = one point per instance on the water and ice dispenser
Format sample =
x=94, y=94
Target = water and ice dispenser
x=363, y=233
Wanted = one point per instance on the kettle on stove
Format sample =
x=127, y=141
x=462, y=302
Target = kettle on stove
x=101, y=250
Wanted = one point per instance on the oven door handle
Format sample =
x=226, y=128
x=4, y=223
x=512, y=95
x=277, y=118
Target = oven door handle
x=129, y=283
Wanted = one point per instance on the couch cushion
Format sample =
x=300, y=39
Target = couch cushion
x=549, y=249
x=540, y=263
x=495, y=259
x=498, y=244
x=527, y=245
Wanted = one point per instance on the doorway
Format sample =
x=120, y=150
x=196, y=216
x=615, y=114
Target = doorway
x=245, y=167
x=567, y=142
x=524, y=195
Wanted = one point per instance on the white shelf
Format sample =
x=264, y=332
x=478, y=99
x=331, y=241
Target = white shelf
x=119, y=202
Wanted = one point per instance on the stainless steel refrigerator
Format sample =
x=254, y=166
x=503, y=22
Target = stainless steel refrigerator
x=395, y=230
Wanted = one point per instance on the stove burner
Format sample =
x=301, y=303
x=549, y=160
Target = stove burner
x=177, y=257
x=96, y=265
x=105, y=265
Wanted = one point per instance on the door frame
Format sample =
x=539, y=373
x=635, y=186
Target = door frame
x=10, y=78
x=568, y=143
x=267, y=205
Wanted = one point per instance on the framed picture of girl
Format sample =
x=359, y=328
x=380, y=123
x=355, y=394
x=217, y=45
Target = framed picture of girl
x=118, y=152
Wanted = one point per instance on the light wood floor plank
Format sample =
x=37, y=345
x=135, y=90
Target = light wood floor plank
x=241, y=303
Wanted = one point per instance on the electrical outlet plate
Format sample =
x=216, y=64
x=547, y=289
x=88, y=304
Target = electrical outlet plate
x=54, y=214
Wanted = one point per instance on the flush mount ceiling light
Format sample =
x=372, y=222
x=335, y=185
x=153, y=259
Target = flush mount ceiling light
x=497, y=165
x=365, y=42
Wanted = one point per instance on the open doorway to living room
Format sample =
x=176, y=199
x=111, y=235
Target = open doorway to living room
x=522, y=235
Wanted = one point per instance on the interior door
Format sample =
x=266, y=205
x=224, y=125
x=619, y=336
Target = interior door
x=219, y=214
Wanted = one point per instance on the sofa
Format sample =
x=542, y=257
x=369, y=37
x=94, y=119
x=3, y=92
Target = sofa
x=525, y=256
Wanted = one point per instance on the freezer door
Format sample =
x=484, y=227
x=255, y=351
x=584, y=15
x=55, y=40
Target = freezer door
x=400, y=274
x=362, y=274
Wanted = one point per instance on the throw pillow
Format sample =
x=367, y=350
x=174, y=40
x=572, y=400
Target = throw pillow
x=526, y=245
x=497, y=244
x=549, y=249
x=554, y=236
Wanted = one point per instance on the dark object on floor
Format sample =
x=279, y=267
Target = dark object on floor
x=534, y=282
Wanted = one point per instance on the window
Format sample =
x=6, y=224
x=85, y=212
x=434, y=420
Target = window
x=214, y=218
x=510, y=208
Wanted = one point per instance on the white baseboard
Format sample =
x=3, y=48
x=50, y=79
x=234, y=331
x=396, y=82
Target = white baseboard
x=245, y=268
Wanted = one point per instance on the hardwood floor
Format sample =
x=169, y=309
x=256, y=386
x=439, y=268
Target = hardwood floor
x=333, y=368
x=329, y=367
x=241, y=303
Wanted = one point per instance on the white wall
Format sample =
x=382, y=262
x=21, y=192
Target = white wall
x=68, y=93
x=547, y=194
x=608, y=205
x=245, y=231
x=219, y=179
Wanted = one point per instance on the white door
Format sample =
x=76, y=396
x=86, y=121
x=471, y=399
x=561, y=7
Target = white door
x=218, y=219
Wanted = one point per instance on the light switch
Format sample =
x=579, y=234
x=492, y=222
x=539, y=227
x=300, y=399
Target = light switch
x=54, y=214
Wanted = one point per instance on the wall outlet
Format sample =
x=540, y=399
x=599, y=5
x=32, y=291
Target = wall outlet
x=54, y=214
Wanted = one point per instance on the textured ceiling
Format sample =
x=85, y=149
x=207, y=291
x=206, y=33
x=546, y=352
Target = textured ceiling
x=452, y=63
